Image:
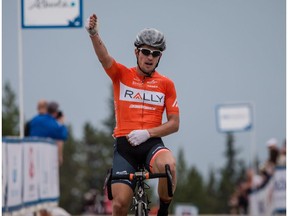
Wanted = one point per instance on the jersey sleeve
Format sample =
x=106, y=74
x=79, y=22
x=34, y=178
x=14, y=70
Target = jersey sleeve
x=115, y=71
x=171, y=99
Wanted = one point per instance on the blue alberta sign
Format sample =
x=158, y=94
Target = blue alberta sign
x=51, y=13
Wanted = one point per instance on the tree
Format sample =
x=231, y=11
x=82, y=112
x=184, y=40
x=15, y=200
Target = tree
x=230, y=175
x=190, y=185
x=212, y=201
x=10, y=112
x=98, y=149
x=72, y=176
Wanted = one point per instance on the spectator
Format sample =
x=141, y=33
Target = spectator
x=239, y=201
x=42, y=110
x=46, y=125
x=253, y=180
x=42, y=107
x=243, y=203
x=267, y=169
x=282, y=156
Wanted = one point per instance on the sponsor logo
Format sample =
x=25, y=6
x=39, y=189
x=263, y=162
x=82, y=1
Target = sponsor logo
x=124, y=172
x=14, y=169
x=134, y=106
x=152, y=86
x=14, y=175
x=139, y=95
x=31, y=163
x=152, y=82
x=137, y=83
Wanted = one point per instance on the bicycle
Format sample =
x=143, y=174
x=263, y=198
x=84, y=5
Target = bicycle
x=141, y=201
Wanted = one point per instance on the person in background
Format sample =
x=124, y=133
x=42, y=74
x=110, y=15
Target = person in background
x=281, y=161
x=46, y=125
x=41, y=109
x=267, y=168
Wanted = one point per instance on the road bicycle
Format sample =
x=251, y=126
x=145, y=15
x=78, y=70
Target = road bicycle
x=140, y=203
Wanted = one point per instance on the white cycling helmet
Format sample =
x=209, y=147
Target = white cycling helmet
x=151, y=37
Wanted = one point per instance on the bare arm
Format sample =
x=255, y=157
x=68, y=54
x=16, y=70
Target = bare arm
x=105, y=59
x=60, y=144
x=169, y=127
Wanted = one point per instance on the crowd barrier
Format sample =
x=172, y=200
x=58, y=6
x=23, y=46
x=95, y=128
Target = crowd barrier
x=30, y=175
x=270, y=199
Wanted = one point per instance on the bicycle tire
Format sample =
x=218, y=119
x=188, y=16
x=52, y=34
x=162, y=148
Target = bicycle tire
x=141, y=211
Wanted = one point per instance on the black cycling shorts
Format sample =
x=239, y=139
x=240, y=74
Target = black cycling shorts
x=128, y=158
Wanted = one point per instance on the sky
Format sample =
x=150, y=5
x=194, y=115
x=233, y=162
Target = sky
x=218, y=52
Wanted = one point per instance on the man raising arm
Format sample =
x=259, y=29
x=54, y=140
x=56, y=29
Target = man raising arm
x=141, y=95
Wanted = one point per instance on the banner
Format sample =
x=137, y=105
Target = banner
x=234, y=117
x=54, y=173
x=31, y=173
x=44, y=170
x=51, y=13
x=14, y=174
x=48, y=172
x=279, y=194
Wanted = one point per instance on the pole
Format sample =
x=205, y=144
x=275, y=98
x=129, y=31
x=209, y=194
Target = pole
x=20, y=67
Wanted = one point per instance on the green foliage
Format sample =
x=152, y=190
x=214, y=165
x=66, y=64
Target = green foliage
x=213, y=196
x=72, y=172
x=230, y=175
x=98, y=148
x=10, y=112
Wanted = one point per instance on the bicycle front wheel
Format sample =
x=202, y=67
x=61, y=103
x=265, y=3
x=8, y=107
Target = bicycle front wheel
x=141, y=210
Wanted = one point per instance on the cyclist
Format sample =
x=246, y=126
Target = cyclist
x=141, y=95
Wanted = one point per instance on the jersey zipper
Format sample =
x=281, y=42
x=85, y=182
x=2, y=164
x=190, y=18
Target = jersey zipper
x=143, y=102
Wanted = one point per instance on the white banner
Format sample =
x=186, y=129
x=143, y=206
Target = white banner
x=48, y=170
x=31, y=173
x=234, y=117
x=279, y=194
x=44, y=153
x=54, y=173
x=51, y=13
x=14, y=175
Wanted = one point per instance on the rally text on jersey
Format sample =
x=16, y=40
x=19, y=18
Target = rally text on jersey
x=139, y=95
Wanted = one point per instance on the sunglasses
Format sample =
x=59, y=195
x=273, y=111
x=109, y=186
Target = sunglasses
x=147, y=52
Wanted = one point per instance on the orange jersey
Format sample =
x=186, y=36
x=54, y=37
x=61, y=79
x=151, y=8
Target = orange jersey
x=140, y=101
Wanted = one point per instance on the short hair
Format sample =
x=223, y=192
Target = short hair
x=52, y=107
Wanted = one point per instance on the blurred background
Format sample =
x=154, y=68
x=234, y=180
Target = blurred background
x=218, y=52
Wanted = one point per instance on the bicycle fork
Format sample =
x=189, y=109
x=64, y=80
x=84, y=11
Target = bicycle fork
x=140, y=199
